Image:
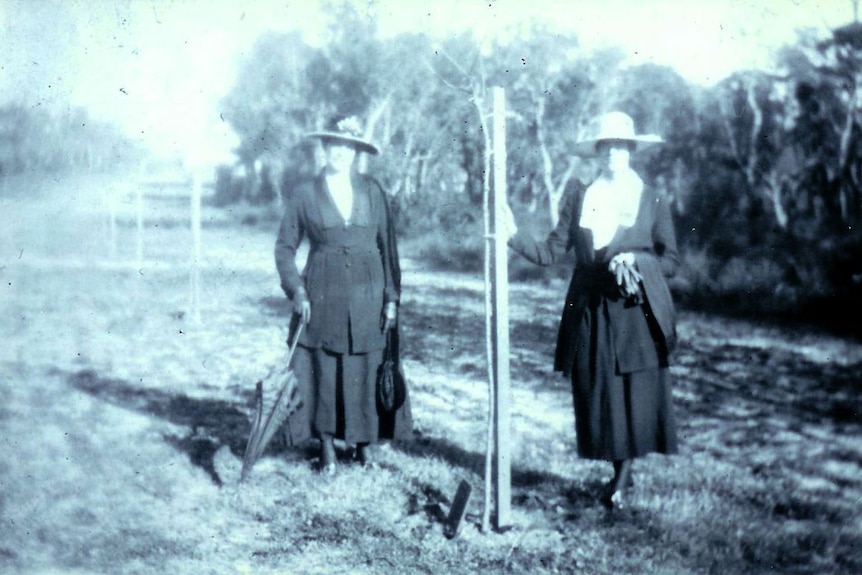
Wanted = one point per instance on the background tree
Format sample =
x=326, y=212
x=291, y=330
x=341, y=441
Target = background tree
x=554, y=90
x=661, y=102
x=422, y=162
x=763, y=170
x=270, y=106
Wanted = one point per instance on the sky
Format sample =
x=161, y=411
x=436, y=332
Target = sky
x=158, y=67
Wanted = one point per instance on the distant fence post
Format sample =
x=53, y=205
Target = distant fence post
x=112, y=223
x=194, y=270
x=139, y=208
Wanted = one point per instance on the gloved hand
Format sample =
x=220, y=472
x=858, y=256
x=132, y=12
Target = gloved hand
x=302, y=307
x=623, y=266
x=389, y=316
x=506, y=224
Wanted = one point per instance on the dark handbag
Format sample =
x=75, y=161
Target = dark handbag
x=391, y=388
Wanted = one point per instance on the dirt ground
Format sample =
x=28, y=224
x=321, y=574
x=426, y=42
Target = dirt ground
x=124, y=416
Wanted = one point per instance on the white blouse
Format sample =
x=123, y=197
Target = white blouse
x=341, y=191
x=611, y=204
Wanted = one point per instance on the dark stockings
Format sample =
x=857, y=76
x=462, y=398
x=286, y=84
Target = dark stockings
x=623, y=474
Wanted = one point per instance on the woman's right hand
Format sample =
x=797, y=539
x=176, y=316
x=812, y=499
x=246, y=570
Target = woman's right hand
x=302, y=308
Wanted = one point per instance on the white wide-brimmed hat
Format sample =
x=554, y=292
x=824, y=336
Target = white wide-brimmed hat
x=346, y=131
x=613, y=126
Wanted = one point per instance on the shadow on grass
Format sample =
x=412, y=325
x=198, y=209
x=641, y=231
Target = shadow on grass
x=212, y=423
x=215, y=423
x=778, y=384
x=530, y=487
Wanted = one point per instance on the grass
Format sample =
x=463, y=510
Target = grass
x=123, y=422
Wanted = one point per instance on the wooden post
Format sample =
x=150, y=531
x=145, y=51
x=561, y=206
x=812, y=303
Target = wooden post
x=500, y=321
x=112, y=223
x=194, y=268
x=139, y=206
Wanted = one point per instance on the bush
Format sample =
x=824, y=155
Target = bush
x=461, y=249
x=522, y=270
x=752, y=275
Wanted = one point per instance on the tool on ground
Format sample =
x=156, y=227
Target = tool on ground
x=456, y=512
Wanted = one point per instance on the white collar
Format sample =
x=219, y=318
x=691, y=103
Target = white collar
x=341, y=191
x=611, y=204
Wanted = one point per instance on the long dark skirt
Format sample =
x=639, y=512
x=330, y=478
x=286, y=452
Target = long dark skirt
x=619, y=415
x=339, y=399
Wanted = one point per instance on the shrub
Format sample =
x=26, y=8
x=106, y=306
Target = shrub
x=460, y=249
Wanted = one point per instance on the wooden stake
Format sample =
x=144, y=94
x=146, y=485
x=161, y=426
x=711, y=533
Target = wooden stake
x=456, y=512
x=487, y=216
x=500, y=319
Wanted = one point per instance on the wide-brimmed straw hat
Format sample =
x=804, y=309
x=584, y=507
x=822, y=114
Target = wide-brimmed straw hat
x=613, y=126
x=346, y=131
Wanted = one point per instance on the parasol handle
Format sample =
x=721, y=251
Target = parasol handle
x=291, y=347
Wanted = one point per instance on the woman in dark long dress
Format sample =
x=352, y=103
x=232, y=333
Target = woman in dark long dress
x=347, y=298
x=617, y=327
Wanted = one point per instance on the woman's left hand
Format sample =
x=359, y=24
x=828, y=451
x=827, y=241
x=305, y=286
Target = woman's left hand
x=623, y=266
x=390, y=316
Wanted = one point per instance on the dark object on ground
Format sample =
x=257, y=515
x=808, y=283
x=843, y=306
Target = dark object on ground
x=456, y=512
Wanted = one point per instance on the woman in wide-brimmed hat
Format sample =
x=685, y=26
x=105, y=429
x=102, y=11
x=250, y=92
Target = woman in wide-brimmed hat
x=347, y=297
x=617, y=327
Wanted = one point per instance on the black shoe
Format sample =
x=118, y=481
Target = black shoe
x=606, y=495
x=612, y=496
x=368, y=455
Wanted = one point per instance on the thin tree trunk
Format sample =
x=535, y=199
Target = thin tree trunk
x=554, y=192
x=751, y=166
x=844, y=153
x=373, y=118
x=479, y=103
x=773, y=189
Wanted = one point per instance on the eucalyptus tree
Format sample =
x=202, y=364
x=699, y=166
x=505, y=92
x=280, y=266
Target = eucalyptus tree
x=835, y=100
x=343, y=74
x=662, y=102
x=459, y=68
x=742, y=127
x=421, y=131
x=555, y=89
x=824, y=129
x=286, y=88
x=270, y=106
x=779, y=158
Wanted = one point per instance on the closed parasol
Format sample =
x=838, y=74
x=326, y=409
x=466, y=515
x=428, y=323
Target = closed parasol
x=271, y=413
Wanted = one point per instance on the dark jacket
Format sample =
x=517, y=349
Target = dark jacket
x=351, y=271
x=651, y=239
